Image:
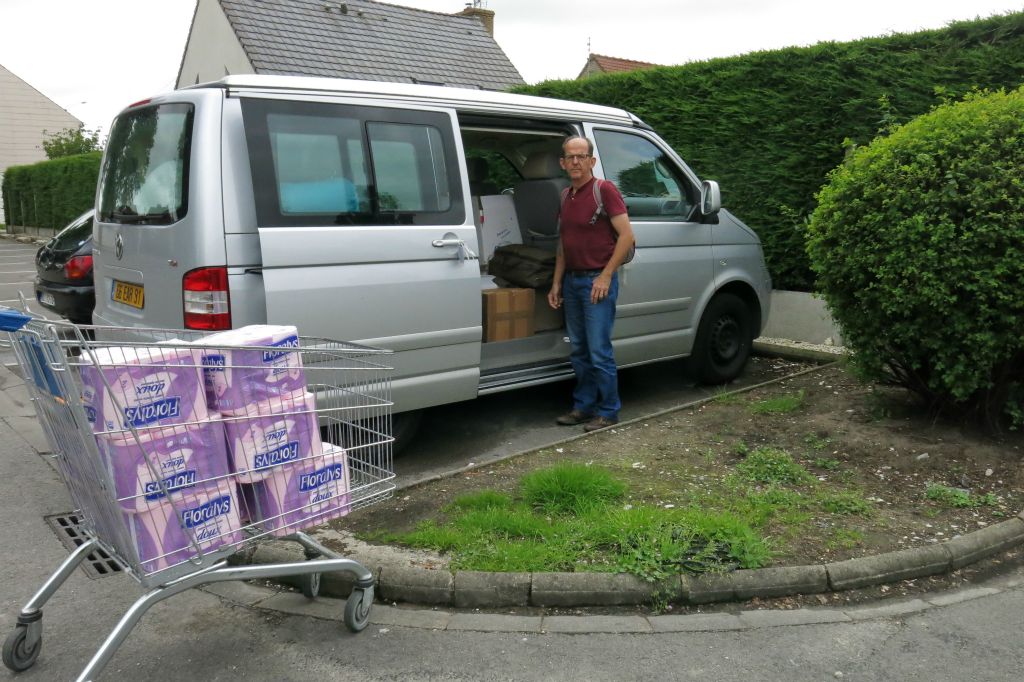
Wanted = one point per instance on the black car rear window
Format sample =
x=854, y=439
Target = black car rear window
x=145, y=172
x=75, y=235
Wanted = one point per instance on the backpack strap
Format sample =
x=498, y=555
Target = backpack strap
x=598, y=200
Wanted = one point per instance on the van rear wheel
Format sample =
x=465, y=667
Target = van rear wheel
x=723, y=341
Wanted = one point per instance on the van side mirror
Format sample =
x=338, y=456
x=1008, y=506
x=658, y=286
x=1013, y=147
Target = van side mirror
x=710, y=198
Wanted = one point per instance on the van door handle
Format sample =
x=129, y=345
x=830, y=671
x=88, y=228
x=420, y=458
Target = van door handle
x=464, y=252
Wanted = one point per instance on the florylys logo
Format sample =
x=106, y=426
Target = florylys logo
x=274, y=355
x=180, y=480
x=288, y=452
x=142, y=415
x=206, y=512
x=334, y=472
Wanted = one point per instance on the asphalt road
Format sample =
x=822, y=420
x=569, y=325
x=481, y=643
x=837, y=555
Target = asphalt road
x=17, y=270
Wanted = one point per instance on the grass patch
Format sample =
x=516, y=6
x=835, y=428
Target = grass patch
x=845, y=503
x=571, y=517
x=783, y=404
x=816, y=442
x=826, y=463
x=724, y=396
x=773, y=465
x=845, y=538
x=571, y=488
x=958, y=498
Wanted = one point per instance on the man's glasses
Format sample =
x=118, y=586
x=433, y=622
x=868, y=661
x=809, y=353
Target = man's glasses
x=569, y=158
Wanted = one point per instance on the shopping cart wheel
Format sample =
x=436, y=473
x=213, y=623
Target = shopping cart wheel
x=18, y=654
x=310, y=585
x=357, y=608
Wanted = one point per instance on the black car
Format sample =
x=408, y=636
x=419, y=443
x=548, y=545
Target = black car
x=64, y=281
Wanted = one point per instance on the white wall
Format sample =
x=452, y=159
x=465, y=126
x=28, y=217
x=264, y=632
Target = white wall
x=213, y=50
x=24, y=114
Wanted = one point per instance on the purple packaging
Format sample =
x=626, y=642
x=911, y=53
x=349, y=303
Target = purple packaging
x=271, y=434
x=149, y=388
x=235, y=378
x=162, y=534
x=301, y=495
x=183, y=457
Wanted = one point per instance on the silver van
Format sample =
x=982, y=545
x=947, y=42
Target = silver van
x=367, y=212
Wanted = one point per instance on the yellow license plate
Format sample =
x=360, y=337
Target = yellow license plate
x=129, y=294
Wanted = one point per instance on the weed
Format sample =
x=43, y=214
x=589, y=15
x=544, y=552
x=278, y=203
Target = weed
x=845, y=503
x=957, y=498
x=826, y=464
x=485, y=499
x=571, y=488
x=845, y=538
x=781, y=405
x=772, y=465
x=724, y=396
x=816, y=442
x=709, y=456
x=741, y=449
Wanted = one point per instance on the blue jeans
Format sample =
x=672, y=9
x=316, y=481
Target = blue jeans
x=590, y=331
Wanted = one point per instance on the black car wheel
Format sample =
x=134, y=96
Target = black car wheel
x=723, y=341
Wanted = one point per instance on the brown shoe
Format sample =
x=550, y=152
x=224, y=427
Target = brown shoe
x=599, y=423
x=573, y=418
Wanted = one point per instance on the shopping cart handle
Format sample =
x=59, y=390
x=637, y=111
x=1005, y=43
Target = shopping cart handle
x=11, y=320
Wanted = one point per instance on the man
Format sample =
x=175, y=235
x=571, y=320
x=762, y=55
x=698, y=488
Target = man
x=591, y=247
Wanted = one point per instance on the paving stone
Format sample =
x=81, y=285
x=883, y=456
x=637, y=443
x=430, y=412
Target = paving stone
x=961, y=595
x=780, y=582
x=409, y=618
x=710, y=588
x=884, y=568
x=588, y=624
x=488, y=622
x=416, y=585
x=479, y=588
x=761, y=619
x=985, y=542
x=240, y=592
x=900, y=608
x=698, y=622
x=295, y=603
x=597, y=589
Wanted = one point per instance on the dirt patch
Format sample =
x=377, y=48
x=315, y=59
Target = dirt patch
x=867, y=441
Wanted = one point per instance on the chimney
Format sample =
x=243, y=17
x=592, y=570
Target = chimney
x=486, y=17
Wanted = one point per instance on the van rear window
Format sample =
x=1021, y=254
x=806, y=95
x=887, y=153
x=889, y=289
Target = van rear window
x=144, y=179
x=325, y=164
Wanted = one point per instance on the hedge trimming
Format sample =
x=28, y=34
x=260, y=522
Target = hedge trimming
x=50, y=193
x=769, y=126
x=918, y=243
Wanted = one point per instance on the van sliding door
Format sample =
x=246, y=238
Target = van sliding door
x=360, y=213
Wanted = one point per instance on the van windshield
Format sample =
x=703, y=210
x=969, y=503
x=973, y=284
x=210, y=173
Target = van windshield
x=145, y=173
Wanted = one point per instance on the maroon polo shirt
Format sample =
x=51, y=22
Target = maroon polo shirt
x=586, y=246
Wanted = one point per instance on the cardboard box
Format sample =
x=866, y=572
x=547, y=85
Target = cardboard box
x=507, y=314
x=498, y=224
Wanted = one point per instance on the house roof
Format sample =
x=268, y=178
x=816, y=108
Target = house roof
x=368, y=40
x=600, y=62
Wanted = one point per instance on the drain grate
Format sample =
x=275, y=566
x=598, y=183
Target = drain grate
x=97, y=564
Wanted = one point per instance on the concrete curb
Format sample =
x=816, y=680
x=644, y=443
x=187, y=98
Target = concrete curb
x=475, y=589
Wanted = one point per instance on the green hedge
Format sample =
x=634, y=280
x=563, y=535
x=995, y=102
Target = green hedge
x=769, y=126
x=918, y=242
x=50, y=193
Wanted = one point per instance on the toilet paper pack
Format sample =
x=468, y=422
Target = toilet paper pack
x=181, y=457
x=301, y=495
x=162, y=533
x=142, y=387
x=272, y=433
x=236, y=378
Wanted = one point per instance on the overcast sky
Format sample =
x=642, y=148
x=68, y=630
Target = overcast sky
x=93, y=57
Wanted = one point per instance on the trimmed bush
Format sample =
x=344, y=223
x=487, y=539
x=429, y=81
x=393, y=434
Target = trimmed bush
x=769, y=126
x=50, y=193
x=918, y=244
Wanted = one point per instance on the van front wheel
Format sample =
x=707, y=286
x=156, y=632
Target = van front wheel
x=723, y=341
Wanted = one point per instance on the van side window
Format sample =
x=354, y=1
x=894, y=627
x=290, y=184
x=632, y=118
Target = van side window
x=319, y=164
x=652, y=187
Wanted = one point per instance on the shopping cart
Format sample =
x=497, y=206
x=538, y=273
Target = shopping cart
x=180, y=450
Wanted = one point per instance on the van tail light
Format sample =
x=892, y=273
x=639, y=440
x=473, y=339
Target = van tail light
x=204, y=294
x=79, y=267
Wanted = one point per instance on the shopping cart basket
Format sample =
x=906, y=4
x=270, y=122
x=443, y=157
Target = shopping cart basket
x=180, y=449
